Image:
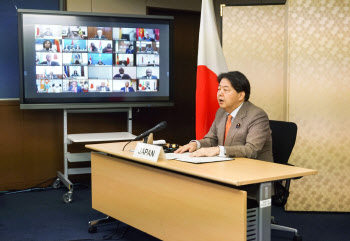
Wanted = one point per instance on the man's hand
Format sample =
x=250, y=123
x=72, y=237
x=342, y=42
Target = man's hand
x=190, y=147
x=209, y=151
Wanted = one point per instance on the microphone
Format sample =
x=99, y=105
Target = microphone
x=162, y=125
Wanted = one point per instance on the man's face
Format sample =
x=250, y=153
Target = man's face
x=131, y=47
x=74, y=83
x=228, y=97
x=99, y=33
x=103, y=84
x=48, y=57
x=126, y=84
x=148, y=73
x=147, y=35
x=121, y=71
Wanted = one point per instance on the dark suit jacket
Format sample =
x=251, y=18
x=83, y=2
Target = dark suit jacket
x=131, y=89
x=53, y=63
x=78, y=88
x=148, y=39
x=152, y=77
x=102, y=36
x=100, y=88
x=118, y=76
x=249, y=135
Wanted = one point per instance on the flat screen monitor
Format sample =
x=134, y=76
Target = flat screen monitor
x=82, y=60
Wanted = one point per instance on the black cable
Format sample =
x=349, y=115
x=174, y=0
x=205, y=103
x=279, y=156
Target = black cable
x=34, y=188
x=126, y=144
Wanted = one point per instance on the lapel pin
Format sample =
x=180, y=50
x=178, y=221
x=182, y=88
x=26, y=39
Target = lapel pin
x=238, y=126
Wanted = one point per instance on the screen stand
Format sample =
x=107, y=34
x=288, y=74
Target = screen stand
x=81, y=138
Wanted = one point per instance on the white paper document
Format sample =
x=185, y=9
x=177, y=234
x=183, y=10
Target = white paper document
x=185, y=157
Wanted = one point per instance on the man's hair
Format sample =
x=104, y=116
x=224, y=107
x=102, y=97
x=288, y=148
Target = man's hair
x=238, y=81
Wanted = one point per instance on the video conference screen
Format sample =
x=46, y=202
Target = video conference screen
x=77, y=58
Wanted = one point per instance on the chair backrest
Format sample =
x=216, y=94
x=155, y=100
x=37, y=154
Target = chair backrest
x=283, y=139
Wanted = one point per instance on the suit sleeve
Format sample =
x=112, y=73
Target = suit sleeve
x=211, y=138
x=258, y=133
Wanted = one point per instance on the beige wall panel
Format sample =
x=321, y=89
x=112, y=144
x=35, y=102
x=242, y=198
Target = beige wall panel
x=130, y=6
x=119, y=6
x=319, y=76
x=253, y=43
x=79, y=5
x=194, y=5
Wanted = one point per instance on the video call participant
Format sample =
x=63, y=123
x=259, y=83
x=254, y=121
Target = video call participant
x=100, y=62
x=147, y=37
x=75, y=87
x=149, y=75
x=93, y=48
x=47, y=46
x=51, y=76
x=130, y=50
x=107, y=49
x=240, y=128
x=99, y=35
x=75, y=74
x=49, y=62
x=121, y=75
x=103, y=87
x=149, y=48
x=127, y=88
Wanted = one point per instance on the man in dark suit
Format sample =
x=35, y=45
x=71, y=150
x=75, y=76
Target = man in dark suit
x=121, y=75
x=99, y=35
x=149, y=75
x=127, y=88
x=75, y=87
x=240, y=129
x=147, y=37
x=51, y=76
x=49, y=62
x=102, y=87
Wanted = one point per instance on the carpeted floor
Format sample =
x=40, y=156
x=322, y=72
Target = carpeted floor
x=43, y=216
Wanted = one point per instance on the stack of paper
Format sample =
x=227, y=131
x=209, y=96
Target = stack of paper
x=185, y=157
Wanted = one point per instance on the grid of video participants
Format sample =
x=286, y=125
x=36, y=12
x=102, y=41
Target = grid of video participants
x=96, y=59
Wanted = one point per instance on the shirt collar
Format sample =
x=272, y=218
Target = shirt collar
x=234, y=113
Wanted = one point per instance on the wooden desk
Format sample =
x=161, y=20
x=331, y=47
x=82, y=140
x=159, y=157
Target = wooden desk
x=174, y=200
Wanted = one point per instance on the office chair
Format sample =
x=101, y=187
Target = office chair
x=283, y=140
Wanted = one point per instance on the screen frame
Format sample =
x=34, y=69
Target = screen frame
x=107, y=103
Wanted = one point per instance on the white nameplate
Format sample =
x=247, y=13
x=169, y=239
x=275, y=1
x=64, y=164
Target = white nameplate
x=147, y=151
x=265, y=203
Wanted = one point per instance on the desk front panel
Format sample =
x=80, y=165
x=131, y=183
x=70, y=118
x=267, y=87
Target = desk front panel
x=165, y=204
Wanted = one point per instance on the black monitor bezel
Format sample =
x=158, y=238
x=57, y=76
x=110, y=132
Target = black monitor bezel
x=52, y=103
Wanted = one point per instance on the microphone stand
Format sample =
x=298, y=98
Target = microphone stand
x=147, y=139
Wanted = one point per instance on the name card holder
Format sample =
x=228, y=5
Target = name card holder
x=149, y=152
